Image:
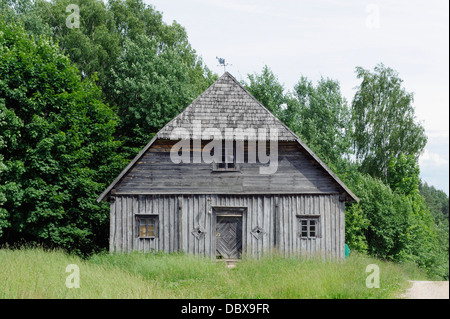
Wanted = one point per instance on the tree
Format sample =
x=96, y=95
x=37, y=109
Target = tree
x=57, y=146
x=356, y=225
x=319, y=114
x=384, y=122
x=150, y=85
x=403, y=174
x=437, y=200
x=99, y=47
x=324, y=119
x=266, y=88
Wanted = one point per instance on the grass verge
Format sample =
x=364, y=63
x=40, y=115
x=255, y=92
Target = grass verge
x=37, y=273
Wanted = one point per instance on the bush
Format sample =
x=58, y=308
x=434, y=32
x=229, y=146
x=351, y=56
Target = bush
x=391, y=225
x=56, y=140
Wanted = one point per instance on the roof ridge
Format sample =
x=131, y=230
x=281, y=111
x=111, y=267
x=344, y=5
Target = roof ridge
x=287, y=135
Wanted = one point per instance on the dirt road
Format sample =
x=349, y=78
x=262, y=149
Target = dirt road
x=427, y=290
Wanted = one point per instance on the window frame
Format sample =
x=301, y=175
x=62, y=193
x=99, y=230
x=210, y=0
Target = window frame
x=139, y=218
x=216, y=167
x=308, y=219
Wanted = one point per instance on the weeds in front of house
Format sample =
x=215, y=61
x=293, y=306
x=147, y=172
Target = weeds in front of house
x=39, y=273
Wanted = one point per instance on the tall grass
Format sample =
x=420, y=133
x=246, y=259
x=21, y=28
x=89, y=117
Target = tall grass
x=36, y=273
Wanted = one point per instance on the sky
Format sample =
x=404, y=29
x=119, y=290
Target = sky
x=329, y=38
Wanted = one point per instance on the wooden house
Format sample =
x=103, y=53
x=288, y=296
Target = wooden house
x=222, y=209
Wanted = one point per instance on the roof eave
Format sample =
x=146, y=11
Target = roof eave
x=103, y=196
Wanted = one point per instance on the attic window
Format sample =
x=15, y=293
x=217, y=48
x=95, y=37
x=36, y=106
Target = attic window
x=228, y=160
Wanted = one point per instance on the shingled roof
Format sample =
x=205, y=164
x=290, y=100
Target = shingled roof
x=227, y=104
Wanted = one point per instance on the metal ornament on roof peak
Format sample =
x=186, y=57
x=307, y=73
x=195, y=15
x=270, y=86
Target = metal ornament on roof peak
x=222, y=63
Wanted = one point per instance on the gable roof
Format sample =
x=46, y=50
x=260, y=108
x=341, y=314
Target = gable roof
x=227, y=104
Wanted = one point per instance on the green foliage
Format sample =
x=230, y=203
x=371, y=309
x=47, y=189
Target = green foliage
x=107, y=43
x=267, y=90
x=437, y=201
x=356, y=225
x=384, y=121
x=403, y=174
x=396, y=226
x=57, y=146
x=386, y=223
x=318, y=114
x=94, y=46
x=151, y=86
x=324, y=119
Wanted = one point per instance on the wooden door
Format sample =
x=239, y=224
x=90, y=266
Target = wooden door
x=228, y=237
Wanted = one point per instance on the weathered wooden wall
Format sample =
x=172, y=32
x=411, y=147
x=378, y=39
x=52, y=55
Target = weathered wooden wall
x=155, y=173
x=179, y=215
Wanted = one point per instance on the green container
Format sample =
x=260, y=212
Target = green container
x=347, y=251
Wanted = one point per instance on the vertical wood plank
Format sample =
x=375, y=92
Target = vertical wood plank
x=342, y=228
x=166, y=213
x=282, y=232
x=180, y=222
x=131, y=224
x=185, y=223
x=265, y=223
x=245, y=221
x=329, y=229
x=333, y=226
x=191, y=226
x=155, y=244
x=201, y=222
x=124, y=222
x=159, y=208
x=112, y=224
x=171, y=228
x=207, y=226
x=338, y=226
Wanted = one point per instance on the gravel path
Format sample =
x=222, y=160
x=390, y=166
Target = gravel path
x=427, y=290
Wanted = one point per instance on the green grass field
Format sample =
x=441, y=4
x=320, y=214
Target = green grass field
x=38, y=273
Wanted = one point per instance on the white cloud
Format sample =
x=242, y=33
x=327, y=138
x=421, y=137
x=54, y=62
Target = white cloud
x=432, y=159
x=438, y=134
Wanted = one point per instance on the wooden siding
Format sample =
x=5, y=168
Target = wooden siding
x=276, y=215
x=155, y=173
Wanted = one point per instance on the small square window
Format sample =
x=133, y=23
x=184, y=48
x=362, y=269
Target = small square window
x=308, y=226
x=147, y=226
x=227, y=161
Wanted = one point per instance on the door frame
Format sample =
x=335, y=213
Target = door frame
x=231, y=211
